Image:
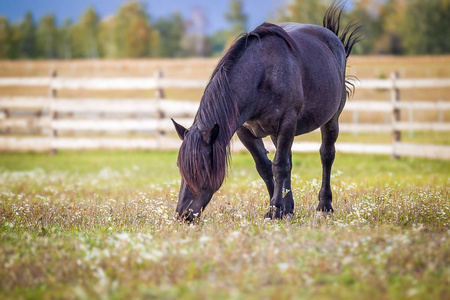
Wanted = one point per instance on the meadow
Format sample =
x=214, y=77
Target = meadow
x=100, y=225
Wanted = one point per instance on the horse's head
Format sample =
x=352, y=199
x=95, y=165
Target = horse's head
x=200, y=172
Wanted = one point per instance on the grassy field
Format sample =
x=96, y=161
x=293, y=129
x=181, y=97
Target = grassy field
x=100, y=225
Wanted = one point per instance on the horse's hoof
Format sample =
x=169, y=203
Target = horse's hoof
x=325, y=214
x=278, y=214
x=270, y=216
x=288, y=217
x=273, y=213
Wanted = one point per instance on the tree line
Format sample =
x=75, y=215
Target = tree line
x=388, y=27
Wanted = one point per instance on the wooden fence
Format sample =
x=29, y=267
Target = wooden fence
x=47, y=119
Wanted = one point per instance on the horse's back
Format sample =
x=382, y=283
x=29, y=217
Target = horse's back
x=306, y=33
x=322, y=63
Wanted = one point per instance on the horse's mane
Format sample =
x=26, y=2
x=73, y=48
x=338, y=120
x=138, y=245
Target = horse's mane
x=219, y=106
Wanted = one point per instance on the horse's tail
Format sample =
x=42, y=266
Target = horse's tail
x=349, y=36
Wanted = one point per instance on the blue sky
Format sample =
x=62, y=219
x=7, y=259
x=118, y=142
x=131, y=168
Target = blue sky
x=258, y=11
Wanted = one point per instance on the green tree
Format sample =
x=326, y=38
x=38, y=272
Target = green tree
x=106, y=37
x=218, y=42
x=27, y=43
x=65, y=47
x=87, y=33
x=133, y=35
x=170, y=31
x=392, y=16
x=369, y=15
x=5, y=37
x=15, y=38
x=47, y=37
x=426, y=27
x=306, y=11
x=237, y=18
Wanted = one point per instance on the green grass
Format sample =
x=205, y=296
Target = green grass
x=416, y=137
x=84, y=225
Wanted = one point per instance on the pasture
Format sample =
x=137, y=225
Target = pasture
x=84, y=225
x=100, y=224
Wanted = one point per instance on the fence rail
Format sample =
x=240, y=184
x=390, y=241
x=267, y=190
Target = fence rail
x=92, y=83
x=50, y=116
x=126, y=83
x=175, y=109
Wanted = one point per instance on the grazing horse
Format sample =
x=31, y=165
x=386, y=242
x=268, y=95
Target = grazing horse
x=280, y=81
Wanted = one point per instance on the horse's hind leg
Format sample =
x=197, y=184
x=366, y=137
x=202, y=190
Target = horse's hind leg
x=330, y=132
x=259, y=153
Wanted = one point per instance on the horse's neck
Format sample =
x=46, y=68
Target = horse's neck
x=241, y=82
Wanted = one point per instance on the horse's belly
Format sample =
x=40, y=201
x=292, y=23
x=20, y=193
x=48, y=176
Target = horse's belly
x=319, y=107
x=260, y=129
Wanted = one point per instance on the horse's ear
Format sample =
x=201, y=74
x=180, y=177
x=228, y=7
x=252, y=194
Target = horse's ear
x=210, y=136
x=180, y=129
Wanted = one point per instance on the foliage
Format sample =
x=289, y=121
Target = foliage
x=132, y=32
x=389, y=27
x=220, y=41
x=5, y=38
x=47, y=37
x=404, y=27
x=106, y=36
x=170, y=32
x=27, y=44
x=306, y=11
x=427, y=27
x=86, y=34
x=236, y=18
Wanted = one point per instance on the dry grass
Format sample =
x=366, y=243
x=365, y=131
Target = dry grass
x=85, y=225
x=361, y=66
x=407, y=66
x=195, y=68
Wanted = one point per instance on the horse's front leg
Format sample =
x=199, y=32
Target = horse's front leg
x=288, y=198
x=330, y=132
x=282, y=203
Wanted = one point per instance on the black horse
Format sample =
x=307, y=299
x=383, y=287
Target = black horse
x=279, y=81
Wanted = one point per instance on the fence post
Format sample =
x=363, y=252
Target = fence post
x=159, y=96
x=53, y=113
x=411, y=121
x=395, y=99
x=355, y=121
x=4, y=128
